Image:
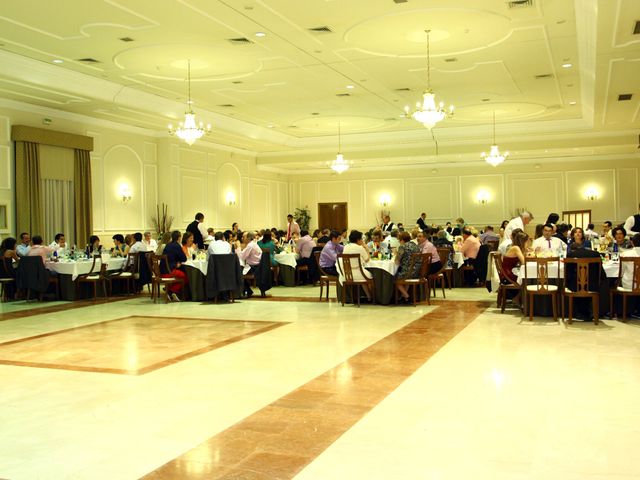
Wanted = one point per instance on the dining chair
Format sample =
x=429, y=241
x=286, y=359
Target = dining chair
x=345, y=264
x=275, y=269
x=95, y=276
x=422, y=280
x=447, y=272
x=632, y=265
x=325, y=278
x=126, y=275
x=542, y=287
x=7, y=277
x=583, y=268
x=157, y=279
x=506, y=283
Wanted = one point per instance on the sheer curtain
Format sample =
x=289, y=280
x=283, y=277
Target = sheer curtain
x=59, y=209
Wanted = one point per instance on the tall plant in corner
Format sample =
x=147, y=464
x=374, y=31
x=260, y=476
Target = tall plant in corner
x=162, y=220
x=303, y=217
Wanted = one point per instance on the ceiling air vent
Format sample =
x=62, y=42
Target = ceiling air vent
x=520, y=3
x=343, y=94
x=323, y=29
x=636, y=29
x=451, y=59
x=543, y=76
x=400, y=1
x=88, y=60
x=624, y=96
x=392, y=119
x=126, y=39
x=239, y=41
x=237, y=82
x=403, y=89
x=226, y=105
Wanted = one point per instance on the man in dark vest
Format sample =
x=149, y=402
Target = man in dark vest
x=194, y=227
x=632, y=224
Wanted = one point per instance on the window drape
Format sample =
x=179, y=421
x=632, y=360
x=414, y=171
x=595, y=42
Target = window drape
x=28, y=195
x=58, y=201
x=82, y=193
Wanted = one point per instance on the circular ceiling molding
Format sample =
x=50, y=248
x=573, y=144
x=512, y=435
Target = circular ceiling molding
x=329, y=125
x=453, y=31
x=483, y=113
x=169, y=62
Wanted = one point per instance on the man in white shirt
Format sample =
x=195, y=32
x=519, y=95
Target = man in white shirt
x=139, y=245
x=151, y=244
x=627, y=275
x=210, y=237
x=391, y=241
x=517, y=222
x=59, y=244
x=632, y=224
x=25, y=245
x=590, y=233
x=219, y=246
x=547, y=243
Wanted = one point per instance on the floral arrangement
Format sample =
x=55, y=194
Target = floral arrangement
x=161, y=221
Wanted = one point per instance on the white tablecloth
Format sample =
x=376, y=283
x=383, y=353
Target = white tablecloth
x=458, y=259
x=387, y=265
x=288, y=259
x=610, y=268
x=75, y=268
x=199, y=264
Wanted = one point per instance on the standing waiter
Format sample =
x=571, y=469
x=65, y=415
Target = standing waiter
x=194, y=227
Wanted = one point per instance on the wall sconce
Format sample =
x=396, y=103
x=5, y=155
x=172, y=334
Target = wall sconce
x=592, y=194
x=385, y=200
x=482, y=197
x=125, y=193
x=231, y=199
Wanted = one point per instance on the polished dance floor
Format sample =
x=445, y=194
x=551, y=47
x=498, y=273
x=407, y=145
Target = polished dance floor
x=291, y=388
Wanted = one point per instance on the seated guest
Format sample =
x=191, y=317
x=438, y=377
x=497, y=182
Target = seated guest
x=489, y=235
x=400, y=227
x=250, y=254
x=562, y=232
x=210, y=236
x=164, y=241
x=267, y=243
x=304, y=249
x=128, y=243
x=324, y=238
x=356, y=246
x=94, y=247
x=119, y=245
x=606, y=230
x=627, y=275
x=219, y=246
x=469, y=249
x=590, y=233
x=375, y=245
x=503, y=227
x=138, y=245
x=8, y=249
x=59, y=244
x=38, y=250
x=391, y=242
x=578, y=240
x=538, y=232
x=403, y=259
x=515, y=256
x=235, y=228
x=552, y=220
x=175, y=258
x=25, y=244
x=316, y=235
x=619, y=241
x=330, y=253
x=548, y=243
x=426, y=246
x=442, y=240
x=414, y=235
x=151, y=244
x=188, y=246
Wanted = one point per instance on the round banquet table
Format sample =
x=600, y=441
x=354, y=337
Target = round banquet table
x=196, y=271
x=68, y=271
x=287, y=262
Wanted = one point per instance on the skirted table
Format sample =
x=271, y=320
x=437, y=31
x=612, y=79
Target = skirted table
x=288, y=263
x=68, y=271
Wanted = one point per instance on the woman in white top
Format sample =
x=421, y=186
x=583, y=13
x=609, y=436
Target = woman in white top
x=357, y=246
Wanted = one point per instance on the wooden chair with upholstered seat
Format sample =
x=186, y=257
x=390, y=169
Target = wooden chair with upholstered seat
x=583, y=268
x=421, y=281
x=506, y=283
x=97, y=275
x=344, y=263
x=618, y=289
x=127, y=274
x=447, y=272
x=157, y=279
x=275, y=269
x=7, y=277
x=542, y=287
x=325, y=278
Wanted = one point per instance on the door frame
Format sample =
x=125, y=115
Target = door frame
x=346, y=211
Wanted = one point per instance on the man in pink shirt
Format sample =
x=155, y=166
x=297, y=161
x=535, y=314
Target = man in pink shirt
x=304, y=248
x=37, y=249
x=292, y=227
x=427, y=247
x=469, y=249
x=251, y=254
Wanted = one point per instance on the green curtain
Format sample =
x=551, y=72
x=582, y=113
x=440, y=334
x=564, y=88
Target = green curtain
x=28, y=199
x=82, y=194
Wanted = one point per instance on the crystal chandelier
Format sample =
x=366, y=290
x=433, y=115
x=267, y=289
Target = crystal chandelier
x=188, y=130
x=340, y=165
x=427, y=112
x=494, y=158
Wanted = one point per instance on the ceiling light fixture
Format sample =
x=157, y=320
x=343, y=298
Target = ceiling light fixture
x=261, y=34
x=350, y=87
x=567, y=65
x=427, y=113
x=57, y=60
x=188, y=130
x=340, y=165
x=494, y=157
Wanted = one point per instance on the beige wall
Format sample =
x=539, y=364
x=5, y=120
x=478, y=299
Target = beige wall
x=446, y=193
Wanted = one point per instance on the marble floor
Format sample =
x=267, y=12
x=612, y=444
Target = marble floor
x=288, y=387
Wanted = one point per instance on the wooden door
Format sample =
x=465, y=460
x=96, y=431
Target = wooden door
x=332, y=216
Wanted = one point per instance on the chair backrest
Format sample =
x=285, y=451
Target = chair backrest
x=93, y=267
x=154, y=264
x=444, y=253
x=635, y=268
x=493, y=245
x=425, y=263
x=347, y=267
x=582, y=269
x=316, y=256
x=6, y=268
x=497, y=261
x=542, y=271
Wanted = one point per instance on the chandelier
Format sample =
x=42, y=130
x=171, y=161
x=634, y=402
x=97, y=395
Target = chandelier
x=339, y=165
x=494, y=158
x=188, y=130
x=427, y=112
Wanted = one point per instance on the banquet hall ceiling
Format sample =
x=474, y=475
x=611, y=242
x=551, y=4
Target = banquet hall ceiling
x=324, y=62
